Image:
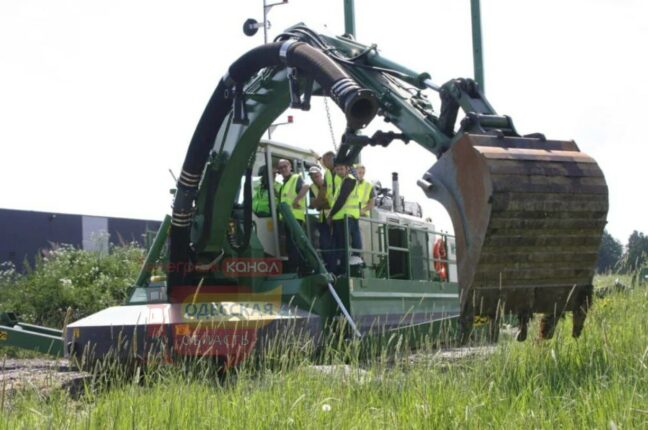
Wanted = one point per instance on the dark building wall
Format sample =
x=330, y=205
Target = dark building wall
x=24, y=233
x=123, y=231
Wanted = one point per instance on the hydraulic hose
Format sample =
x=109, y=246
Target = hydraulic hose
x=359, y=106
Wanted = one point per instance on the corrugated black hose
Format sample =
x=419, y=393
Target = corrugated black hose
x=358, y=104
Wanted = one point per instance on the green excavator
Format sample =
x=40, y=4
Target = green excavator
x=528, y=214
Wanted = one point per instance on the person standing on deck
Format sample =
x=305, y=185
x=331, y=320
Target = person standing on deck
x=365, y=191
x=319, y=201
x=292, y=193
x=346, y=204
x=331, y=180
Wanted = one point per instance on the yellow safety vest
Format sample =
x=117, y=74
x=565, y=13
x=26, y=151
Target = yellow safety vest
x=351, y=207
x=277, y=187
x=288, y=196
x=323, y=212
x=261, y=200
x=315, y=189
x=364, y=191
x=333, y=183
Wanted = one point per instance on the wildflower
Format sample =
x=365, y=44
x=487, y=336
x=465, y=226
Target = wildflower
x=326, y=407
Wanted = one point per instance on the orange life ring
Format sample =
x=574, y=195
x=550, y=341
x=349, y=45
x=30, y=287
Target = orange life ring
x=440, y=254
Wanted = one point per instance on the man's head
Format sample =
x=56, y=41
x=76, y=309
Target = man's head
x=263, y=174
x=342, y=170
x=316, y=175
x=263, y=171
x=360, y=171
x=285, y=168
x=328, y=160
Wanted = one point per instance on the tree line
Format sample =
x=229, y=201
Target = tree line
x=613, y=256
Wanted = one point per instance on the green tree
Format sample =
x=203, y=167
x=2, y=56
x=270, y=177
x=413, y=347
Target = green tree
x=636, y=252
x=609, y=254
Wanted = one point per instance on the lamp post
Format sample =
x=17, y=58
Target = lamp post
x=250, y=28
x=251, y=25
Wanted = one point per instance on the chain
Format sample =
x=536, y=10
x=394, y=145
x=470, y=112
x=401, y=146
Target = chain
x=330, y=123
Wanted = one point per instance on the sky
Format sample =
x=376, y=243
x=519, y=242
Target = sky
x=98, y=100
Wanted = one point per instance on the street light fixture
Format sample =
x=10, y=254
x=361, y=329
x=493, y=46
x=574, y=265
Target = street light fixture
x=250, y=28
x=251, y=25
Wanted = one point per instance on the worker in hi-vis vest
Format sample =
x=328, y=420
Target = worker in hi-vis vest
x=261, y=194
x=292, y=193
x=331, y=180
x=319, y=201
x=346, y=204
x=332, y=183
x=365, y=191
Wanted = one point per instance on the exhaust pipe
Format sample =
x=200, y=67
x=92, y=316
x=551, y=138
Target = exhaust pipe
x=396, y=193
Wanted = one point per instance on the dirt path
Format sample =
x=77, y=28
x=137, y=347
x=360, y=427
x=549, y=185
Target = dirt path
x=40, y=374
x=44, y=375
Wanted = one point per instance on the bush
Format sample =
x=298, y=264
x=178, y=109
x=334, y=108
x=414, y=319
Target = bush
x=84, y=281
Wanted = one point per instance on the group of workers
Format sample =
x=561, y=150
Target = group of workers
x=335, y=192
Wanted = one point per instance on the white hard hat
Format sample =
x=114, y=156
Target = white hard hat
x=314, y=169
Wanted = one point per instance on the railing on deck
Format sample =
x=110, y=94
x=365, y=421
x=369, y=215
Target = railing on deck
x=395, y=251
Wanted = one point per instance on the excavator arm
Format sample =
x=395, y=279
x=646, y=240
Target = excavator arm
x=528, y=212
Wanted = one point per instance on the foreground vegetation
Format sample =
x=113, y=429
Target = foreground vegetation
x=597, y=381
x=70, y=283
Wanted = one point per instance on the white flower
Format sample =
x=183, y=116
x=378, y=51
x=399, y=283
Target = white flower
x=65, y=282
x=326, y=407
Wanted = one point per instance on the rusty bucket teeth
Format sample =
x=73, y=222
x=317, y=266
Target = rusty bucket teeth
x=528, y=216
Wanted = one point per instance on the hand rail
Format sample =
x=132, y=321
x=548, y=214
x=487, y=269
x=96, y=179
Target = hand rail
x=384, y=246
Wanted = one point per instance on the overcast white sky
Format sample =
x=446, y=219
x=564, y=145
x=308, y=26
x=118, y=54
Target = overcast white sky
x=99, y=99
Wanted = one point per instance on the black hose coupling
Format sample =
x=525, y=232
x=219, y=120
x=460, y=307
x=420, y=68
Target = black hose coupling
x=359, y=105
x=182, y=214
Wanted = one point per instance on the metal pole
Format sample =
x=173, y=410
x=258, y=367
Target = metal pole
x=349, y=18
x=265, y=40
x=266, y=10
x=265, y=22
x=478, y=55
x=344, y=310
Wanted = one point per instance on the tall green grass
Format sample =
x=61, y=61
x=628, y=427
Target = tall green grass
x=597, y=381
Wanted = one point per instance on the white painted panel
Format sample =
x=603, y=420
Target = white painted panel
x=452, y=256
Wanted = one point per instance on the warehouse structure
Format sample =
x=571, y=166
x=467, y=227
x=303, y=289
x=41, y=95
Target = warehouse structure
x=25, y=234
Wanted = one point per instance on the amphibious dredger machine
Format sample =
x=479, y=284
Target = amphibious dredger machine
x=528, y=214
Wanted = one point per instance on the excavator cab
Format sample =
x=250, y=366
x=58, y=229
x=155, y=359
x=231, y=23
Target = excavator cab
x=266, y=184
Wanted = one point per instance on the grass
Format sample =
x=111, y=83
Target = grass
x=597, y=381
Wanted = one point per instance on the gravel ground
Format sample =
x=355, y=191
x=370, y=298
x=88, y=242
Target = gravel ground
x=40, y=374
x=44, y=375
